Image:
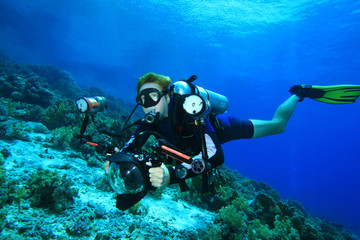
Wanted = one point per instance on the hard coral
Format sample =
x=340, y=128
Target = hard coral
x=49, y=190
x=22, y=111
x=26, y=88
x=62, y=113
x=282, y=230
x=63, y=137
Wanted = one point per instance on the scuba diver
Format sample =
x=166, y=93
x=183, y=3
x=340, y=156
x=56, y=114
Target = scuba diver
x=192, y=122
x=153, y=94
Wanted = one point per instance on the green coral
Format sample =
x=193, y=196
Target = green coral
x=49, y=190
x=282, y=230
x=61, y=113
x=226, y=193
x=250, y=210
x=22, y=111
x=257, y=231
x=233, y=217
x=62, y=138
x=241, y=204
x=214, y=233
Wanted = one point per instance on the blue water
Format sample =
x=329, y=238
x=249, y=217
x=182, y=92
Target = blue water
x=250, y=51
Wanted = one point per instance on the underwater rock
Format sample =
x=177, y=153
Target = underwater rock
x=40, y=128
x=13, y=129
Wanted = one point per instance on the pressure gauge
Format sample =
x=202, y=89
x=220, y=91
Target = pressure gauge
x=194, y=105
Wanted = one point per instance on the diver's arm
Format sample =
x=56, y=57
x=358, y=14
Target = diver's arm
x=278, y=124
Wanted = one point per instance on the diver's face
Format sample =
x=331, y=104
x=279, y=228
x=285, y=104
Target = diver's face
x=161, y=106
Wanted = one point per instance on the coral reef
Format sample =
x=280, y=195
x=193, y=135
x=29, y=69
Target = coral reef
x=252, y=210
x=26, y=88
x=54, y=187
x=61, y=82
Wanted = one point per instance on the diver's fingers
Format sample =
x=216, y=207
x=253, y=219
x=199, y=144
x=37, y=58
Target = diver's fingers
x=159, y=176
x=156, y=176
x=156, y=172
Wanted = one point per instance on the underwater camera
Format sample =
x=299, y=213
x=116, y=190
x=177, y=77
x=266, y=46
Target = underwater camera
x=129, y=179
x=128, y=173
x=91, y=104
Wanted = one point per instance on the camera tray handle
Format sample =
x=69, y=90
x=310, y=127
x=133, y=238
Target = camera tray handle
x=175, y=154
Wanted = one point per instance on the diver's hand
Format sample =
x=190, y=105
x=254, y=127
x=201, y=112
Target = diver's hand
x=159, y=176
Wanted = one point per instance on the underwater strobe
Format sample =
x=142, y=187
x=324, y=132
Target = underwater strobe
x=91, y=104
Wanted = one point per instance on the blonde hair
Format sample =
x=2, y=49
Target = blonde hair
x=163, y=81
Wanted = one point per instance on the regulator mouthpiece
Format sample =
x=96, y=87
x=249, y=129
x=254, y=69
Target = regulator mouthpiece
x=91, y=104
x=151, y=117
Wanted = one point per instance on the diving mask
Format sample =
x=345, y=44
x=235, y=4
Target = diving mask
x=150, y=97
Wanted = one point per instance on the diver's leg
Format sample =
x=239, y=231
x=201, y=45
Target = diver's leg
x=278, y=124
x=233, y=129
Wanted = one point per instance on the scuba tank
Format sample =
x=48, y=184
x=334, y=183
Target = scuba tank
x=216, y=103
